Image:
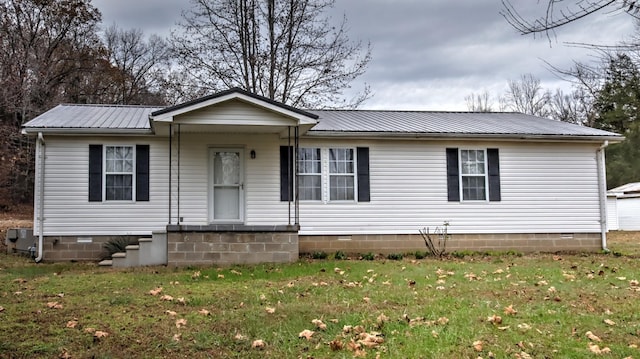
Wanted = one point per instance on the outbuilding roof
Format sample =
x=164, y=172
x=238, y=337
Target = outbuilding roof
x=626, y=190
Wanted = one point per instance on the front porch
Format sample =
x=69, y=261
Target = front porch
x=231, y=244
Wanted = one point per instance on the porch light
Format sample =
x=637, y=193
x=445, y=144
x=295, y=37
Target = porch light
x=253, y=154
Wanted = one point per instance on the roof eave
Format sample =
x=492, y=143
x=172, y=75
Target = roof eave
x=441, y=135
x=86, y=131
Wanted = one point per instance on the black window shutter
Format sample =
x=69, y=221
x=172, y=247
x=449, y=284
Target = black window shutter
x=95, y=173
x=142, y=172
x=453, y=180
x=494, y=174
x=286, y=173
x=363, y=174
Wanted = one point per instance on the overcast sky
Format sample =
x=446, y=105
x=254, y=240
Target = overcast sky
x=427, y=54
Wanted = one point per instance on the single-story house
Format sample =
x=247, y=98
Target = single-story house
x=624, y=204
x=238, y=178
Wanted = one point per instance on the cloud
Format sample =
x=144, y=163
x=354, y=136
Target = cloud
x=427, y=54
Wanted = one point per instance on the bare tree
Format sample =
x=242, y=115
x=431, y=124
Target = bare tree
x=558, y=13
x=286, y=50
x=44, y=47
x=479, y=102
x=527, y=96
x=140, y=65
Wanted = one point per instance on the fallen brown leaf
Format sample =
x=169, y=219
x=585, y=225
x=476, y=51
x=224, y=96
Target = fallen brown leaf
x=382, y=319
x=72, y=324
x=155, y=291
x=370, y=340
x=167, y=298
x=240, y=337
x=54, y=305
x=204, y=312
x=171, y=313
x=319, y=324
x=306, y=334
x=494, y=319
x=336, y=345
x=270, y=310
x=594, y=348
x=592, y=336
x=477, y=345
x=258, y=344
x=177, y=337
x=181, y=323
x=510, y=310
x=609, y=322
x=98, y=334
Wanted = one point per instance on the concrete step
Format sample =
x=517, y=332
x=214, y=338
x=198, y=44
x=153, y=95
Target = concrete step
x=119, y=260
x=133, y=255
x=106, y=263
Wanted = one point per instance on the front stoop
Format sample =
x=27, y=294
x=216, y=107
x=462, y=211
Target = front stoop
x=228, y=244
x=148, y=252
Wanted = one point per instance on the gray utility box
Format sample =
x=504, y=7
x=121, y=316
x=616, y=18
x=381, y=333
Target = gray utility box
x=20, y=240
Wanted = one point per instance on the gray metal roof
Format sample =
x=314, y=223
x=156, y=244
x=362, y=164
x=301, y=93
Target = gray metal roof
x=96, y=117
x=104, y=118
x=448, y=124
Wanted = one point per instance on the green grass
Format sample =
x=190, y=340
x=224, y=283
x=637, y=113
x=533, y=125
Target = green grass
x=558, y=299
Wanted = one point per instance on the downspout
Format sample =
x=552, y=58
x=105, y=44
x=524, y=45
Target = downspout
x=40, y=148
x=602, y=193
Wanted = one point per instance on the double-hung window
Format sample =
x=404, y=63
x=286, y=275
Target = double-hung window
x=119, y=172
x=326, y=174
x=473, y=175
x=309, y=174
x=341, y=174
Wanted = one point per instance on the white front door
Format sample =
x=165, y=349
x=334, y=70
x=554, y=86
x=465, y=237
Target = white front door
x=226, y=191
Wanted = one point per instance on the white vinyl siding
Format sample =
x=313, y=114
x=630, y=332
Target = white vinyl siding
x=612, y=213
x=546, y=188
x=629, y=213
x=67, y=210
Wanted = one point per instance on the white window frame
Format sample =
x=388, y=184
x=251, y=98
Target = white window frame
x=106, y=173
x=352, y=174
x=484, y=175
x=326, y=175
x=310, y=174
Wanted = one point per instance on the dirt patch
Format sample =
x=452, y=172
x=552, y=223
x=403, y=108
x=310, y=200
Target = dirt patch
x=623, y=236
x=20, y=217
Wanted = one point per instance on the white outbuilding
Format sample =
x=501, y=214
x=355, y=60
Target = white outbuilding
x=624, y=204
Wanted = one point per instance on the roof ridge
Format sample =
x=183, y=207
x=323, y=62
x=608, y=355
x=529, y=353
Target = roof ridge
x=420, y=111
x=109, y=105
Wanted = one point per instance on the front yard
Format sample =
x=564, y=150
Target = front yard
x=538, y=306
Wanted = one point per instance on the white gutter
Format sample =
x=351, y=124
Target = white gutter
x=40, y=149
x=602, y=193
